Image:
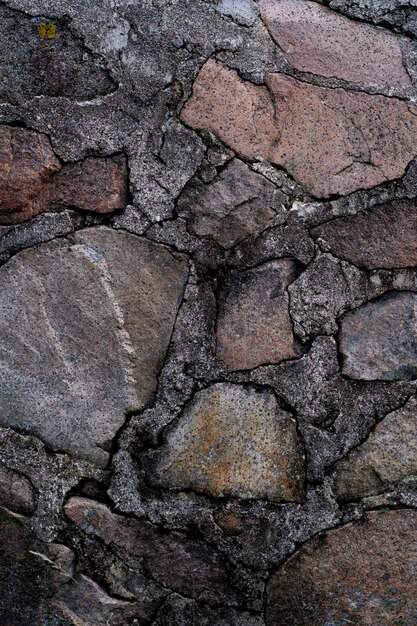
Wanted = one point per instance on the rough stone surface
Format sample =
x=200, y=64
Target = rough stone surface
x=89, y=345
x=361, y=573
x=170, y=557
x=243, y=12
x=33, y=181
x=234, y=206
x=317, y=40
x=385, y=236
x=332, y=141
x=387, y=456
x=231, y=441
x=253, y=325
x=16, y=492
x=379, y=340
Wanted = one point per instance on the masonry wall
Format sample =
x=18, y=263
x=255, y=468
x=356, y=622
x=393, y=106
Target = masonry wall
x=208, y=313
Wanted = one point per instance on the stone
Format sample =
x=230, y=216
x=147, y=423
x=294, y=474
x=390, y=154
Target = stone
x=386, y=457
x=253, y=325
x=231, y=441
x=362, y=573
x=378, y=341
x=317, y=40
x=243, y=12
x=89, y=342
x=237, y=204
x=185, y=565
x=383, y=237
x=331, y=141
x=16, y=492
x=33, y=64
x=33, y=181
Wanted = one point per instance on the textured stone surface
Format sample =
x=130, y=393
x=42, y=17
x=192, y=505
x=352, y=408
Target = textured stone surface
x=361, y=573
x=234, y=206
x=379, y=339
x=386, y=457
x=89, y=343
x=244, y=12
x=170, y=557
x=231, y=441
x=317, y=40
x=32, y=64
x=385, y=236
x=332, y=141
x=16, y=492
x=253, y=325
x=33, y=181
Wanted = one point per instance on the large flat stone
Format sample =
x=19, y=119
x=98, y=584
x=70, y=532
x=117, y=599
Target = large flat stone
x=231, y=441
x=384, y=237
x=330, y=140
x=33, y=181
x=362, y=573
x=387, y=456
x=320, y=41
x=237, y=204
x=254, y=325
x=378, y=341
x=85, y=325
x=185, y=565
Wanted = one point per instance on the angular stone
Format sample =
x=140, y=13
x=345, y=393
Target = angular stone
x=184, y=565
x=33, y=181
x=237, y=204
x=16, y=492
x=33, y=64
x=362, y=573
x=384, y=237
x=254, y=325
x=231, y=442
x=320, y=41
x=330, y=140
x=242, y=11
x=85, y=325
x=386, y=457
x=378, y=341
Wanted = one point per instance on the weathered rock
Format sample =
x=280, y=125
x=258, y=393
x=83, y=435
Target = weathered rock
x=184, y=565
x=362, y=573
x=35, y=61
x=16, y=492
x=33, y=181
x=332, y=141
x=379, y=339
x=254, y=325
x=320, y=41
x=384, y=237
x=90, y=341
x=231, y=441
x=242, y=11
x=237, y=204
x=386, y=457
x=179, y=611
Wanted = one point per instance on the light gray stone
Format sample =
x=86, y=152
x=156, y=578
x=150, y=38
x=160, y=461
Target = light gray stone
x=242, y=11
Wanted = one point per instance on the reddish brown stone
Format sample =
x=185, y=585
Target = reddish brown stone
x=32, y=180
x=387, y=456
x=362, y=573
x=254, y=325
x=184, y=565
x=317, y=40
x=16, y=492
x=232, y=522
x=384, y=237
x=332, y=141
x=378, y=341
x=237, y=204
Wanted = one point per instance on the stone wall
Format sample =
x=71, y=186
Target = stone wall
x=208, y=313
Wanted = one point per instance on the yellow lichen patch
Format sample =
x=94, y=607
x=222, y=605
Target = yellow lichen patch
x=47, y=31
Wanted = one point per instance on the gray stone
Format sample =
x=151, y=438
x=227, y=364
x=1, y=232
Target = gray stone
x=242, y=11
x=386, y=457
x=231, y=441
x=235, y=205
x=378, y=341
x=16, y=492
x=89, y=342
